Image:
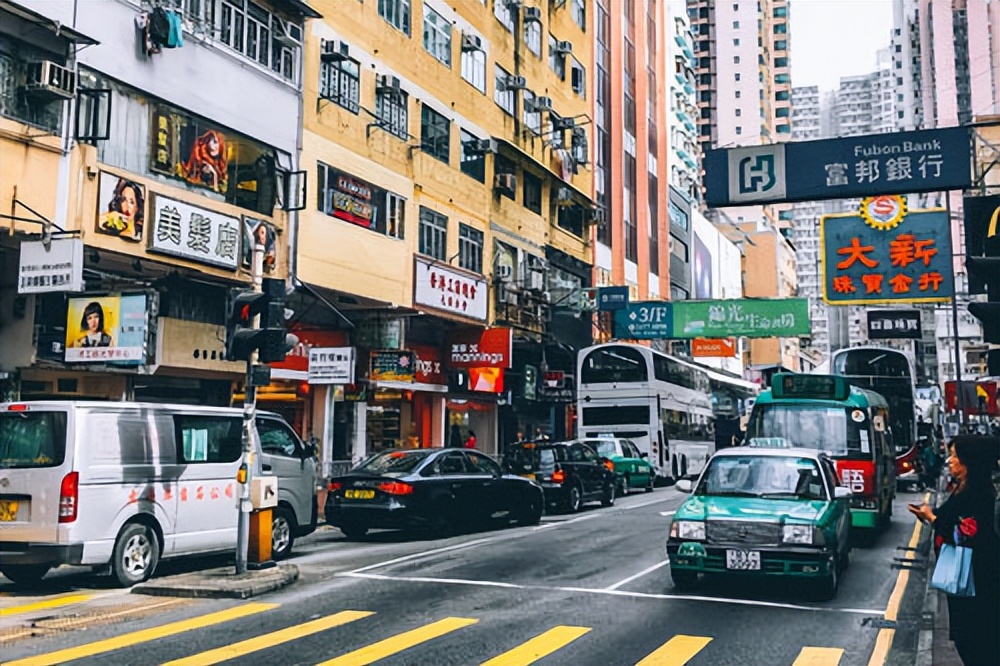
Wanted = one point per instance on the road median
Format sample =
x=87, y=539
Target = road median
x=221, y=583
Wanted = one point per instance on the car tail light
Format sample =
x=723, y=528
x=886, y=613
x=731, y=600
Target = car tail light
x=907, y=464
x=395, y=488
x=20, y=407
x=558, y=476
x=610, y=465
x=333, y=487
x=69, y=493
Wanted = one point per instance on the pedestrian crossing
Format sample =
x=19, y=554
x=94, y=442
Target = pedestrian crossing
x=677, y=650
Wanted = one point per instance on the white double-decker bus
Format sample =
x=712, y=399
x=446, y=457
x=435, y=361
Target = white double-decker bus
x=661, y=403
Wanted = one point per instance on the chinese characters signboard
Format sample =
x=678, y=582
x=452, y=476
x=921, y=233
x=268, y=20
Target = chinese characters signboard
x=441, y=287
x=909, y=262
x=752, y=318
x=891, y=324
x=58, y=268
x=859, y=166
x=106, y=329
x=390, y=365
x=331, y=365
x=194, y=233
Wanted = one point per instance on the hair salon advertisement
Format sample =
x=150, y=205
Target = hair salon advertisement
x=106, y=329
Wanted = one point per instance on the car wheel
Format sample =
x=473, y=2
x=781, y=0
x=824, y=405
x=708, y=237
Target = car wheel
x=282, y=532
x=25, y=574
x=608, y=498
x=683, y=579
x=623, y=486
x=845, y=558
x=135, y=555
x=442, y=522
x=828, y=585
x=352, y=531
x=531, y=512
x=574, y=500
x=651, y=483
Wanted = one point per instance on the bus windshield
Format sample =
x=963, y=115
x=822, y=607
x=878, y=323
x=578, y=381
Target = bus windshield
x=829, y=429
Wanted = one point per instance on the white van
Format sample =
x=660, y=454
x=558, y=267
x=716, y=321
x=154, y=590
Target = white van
x=124, y=484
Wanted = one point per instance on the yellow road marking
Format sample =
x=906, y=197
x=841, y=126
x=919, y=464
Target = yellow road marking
x=136, y=637
x=816, y=656
x=538, y=647
x=45, y=604
x=400, y=642
x=269, y=640
x=676, y=652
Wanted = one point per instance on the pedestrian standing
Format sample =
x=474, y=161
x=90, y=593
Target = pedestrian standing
x=973, y=621
x=455, y=438
x=470, y=443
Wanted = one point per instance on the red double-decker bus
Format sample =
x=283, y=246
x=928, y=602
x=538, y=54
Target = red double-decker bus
x=980, y=397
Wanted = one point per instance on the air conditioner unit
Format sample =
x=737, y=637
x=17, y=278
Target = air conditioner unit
x=481, y=147
x=289, y=34
x=512, y=4
x=564, y=197
x=505, y=183
x=504, y=272
x=564, y=48
x=559, y=123
x=508, y=295
x=532, y=15
x=543, y=104
x=50, y=79
x=515, y=83
x=536, y=281
x=334, y=51
x=388, y=85
x=598, y=215
x=471, y=43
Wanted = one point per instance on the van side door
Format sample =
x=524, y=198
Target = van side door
x=284, y=456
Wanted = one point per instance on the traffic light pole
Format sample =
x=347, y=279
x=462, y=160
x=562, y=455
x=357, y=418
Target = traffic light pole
x=959, y=391
x=249, y=462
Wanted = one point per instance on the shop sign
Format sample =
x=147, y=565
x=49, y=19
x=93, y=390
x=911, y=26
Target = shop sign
x=194, y=233
x=331, y=365
x=868, y=260
x=553, y=379
x=441, y=287
x=429, y=368
x=298, y=358
x=391, y=365
x=121, y=207
x=56, y=268
x=355, y=392
x=612, y=298
x=713, y=348
x=106, y=329
x=492, y=347
x=892, y=324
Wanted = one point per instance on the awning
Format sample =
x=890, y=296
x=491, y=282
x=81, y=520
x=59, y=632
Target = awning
x=297, y=7
x=42, y=21
x=410, y=386
x=524, y=155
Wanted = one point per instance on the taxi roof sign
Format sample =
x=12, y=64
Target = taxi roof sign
x=820, y=387
x=770, y=443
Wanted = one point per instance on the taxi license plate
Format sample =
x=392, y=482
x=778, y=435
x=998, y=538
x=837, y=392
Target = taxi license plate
x=8, y=511
x=743, y=560
x=359, y=494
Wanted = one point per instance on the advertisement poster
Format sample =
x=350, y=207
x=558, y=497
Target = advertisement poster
x=259, y=232
x=191, y=150
x=702, y=269
x=390, y=365
x=121, y=208
x=106, y=329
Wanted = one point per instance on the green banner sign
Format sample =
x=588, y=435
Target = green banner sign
x=751, y=318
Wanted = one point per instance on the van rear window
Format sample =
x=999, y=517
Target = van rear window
x=32, y=439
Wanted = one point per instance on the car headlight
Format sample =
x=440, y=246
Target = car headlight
x=797, y=534
x=692, y=530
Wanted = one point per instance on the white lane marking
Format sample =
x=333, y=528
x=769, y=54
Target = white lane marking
x=616, y=593
x=426, y=553
x=647, y=503
x=642, y=573
x=667, y=513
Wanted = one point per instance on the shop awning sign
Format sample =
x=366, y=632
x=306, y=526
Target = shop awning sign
x=331, y=365
x=894, y=324
x=56, y=268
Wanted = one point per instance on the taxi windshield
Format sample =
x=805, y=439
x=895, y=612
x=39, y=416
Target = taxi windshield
x=762, y=476
x=840, y=432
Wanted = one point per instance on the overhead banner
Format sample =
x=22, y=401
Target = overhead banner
x=982, y=233
x=899, y=259
x=859, y=166
x=106, y=329
x=56, y=268
x=894, y=324
x=685, y=320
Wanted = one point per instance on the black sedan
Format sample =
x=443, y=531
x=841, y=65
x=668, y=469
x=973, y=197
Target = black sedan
x=439, y=490
x=570, y=473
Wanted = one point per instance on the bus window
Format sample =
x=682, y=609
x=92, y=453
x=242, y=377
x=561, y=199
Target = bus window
x=834, y=430
x=613, y=364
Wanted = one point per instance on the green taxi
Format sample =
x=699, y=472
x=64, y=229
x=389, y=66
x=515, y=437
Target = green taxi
x=632, y=467
x=763, y=510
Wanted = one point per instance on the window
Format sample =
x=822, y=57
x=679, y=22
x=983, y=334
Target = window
x=784, y=129
x=358, y=202
x=578, y=78
x=473, y=157
x=251, y=30
x=433, y=234
x=503, y=97
x=739, y=93
x=392, y=111
x=782, y=95
x=780, y=28
x=737, y=76
x=503, y=13
x=208, y=439
x=614, y=364
x=502, y=165
x=679, y=249
x=736, y=25
x=739, y=130
x=340, y=82
x=453, y=463
x=277, y=440
x=435, y=133
x=780, y=12
x=482, y=464
x=782, y=78
x=15, y=104
x=736, y=42
x=739, y=112
x=32, y=439
x=578, y=10
x=437, y=36
x=532, y=192
x=557, y=61
x=781, y=62
x=533, y=37
x=470, y=248
x=736, y=60
x=781, y=45
x=533, y=119
x=474, y=68
x=781, y=112
x=396, y=12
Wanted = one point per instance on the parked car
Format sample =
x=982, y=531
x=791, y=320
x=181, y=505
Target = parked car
x=127, y=484
x=632, y=469
x=570, y=473
x=761, y=511
x=440, y=490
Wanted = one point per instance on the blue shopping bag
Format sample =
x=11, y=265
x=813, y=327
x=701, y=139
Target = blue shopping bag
x=953, y=572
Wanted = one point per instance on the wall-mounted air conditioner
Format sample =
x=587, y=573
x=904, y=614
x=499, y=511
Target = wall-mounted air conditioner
x=471, y=43
x=334, y=51
x=45, y=78
x=505, y=183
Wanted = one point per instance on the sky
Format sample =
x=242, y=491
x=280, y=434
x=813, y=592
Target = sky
x=835, y=38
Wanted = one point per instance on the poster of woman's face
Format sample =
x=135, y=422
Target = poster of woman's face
x=207, y=161
x=258, y=232
x=121, y=207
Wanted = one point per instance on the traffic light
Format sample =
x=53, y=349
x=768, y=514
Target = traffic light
x=277, y=341
x=270, y=339
x=982, y=261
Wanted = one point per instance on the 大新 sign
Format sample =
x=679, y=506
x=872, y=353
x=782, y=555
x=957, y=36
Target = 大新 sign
x=713, y=348
x=906, y=261
x=858, y=166
x=331, y=365
x=391, y=365
x=441, y=287
x=194, y=233
x=106, y=329
x=891, y=324
x=492, y=347
x=58, y=267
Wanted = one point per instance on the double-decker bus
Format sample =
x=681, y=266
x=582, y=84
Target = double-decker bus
x=661, y=403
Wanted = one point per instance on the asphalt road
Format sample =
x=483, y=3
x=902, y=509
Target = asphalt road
x=589, y=589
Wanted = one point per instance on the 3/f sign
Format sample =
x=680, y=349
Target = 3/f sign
x=651, y=315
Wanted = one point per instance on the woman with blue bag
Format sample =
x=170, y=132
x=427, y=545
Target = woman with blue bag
x=964, y=521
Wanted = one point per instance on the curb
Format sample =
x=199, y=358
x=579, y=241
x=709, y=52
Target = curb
x=925, y=636
x=221, y=583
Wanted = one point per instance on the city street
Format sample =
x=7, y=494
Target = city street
x=592, y=588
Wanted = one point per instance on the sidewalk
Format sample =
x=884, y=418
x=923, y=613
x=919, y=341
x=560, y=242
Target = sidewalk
x=935, y=648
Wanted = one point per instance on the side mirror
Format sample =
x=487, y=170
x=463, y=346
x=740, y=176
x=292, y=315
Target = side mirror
x=309, y=451
x=840, y=492
x=684, y=485
x=643, y=454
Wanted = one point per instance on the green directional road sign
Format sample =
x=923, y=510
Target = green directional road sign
x=751, y=318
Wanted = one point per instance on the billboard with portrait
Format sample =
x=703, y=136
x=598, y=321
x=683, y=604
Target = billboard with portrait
x=121, y=207
x=106, y=329
x=259, y=232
